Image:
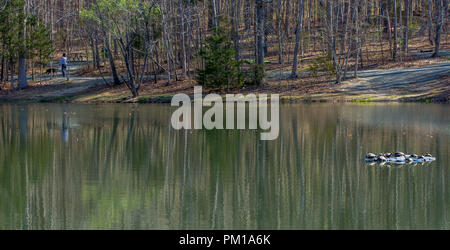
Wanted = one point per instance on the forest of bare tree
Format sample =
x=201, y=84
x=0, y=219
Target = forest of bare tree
x=129, y=39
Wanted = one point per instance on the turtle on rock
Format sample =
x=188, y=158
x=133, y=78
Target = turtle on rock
x=399, y=158
x=370, y=157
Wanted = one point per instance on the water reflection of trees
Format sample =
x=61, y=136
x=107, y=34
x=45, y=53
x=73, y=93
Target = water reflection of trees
x=123, y=167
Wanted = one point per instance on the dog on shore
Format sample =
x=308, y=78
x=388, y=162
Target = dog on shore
x=51, y=71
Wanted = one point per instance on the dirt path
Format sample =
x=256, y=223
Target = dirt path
x=73, y=87
x=54, y=89
x=417, y=84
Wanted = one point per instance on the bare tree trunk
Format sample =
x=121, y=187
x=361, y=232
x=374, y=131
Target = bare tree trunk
x=298, y=37
x=280, y=38
x=183, y=40
x=430, y=21
x=94, y=57
x=406, y=23
x=331, y=26
x=236, y=5
x=22, y=82
x=439, y=24
x=260, y=40
x=167, y=43
x=12, y=71
x=330, y=29
x=31, y=65
x=128, y=56
x=394, y=54
x=388, y=16
x=97, y=54
x=111, y=62
x=384, y=13
x=2, y=74
x=358, y=37
x=7, y=68
x=346, y=42
x=215, y=21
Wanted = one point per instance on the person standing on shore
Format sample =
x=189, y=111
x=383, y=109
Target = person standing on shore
x=63, y=63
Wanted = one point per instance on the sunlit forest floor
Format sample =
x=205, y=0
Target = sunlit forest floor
x=418, y=84
x=414, y=77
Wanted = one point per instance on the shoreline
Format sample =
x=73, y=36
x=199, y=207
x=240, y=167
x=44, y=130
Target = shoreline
x=283, y=99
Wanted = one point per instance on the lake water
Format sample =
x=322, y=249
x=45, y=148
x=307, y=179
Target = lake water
x=123, y=167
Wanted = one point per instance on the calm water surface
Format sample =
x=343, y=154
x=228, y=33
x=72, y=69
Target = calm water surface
x=123, y=167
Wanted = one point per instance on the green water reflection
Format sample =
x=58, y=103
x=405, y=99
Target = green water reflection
x=123, y=167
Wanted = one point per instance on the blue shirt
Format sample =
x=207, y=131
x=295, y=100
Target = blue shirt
x=63, y=61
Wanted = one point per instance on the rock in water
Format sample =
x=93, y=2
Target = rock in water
x=399, y=158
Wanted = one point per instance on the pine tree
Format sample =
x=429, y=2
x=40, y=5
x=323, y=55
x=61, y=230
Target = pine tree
x=40, y=46
x=220, y=66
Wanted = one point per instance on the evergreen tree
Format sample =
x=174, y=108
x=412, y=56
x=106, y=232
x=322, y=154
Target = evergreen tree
x=40, y=46
x=10, y=27
x=35, y=43
x=220, y=67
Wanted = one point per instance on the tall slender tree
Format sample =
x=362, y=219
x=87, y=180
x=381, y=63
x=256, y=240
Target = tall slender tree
x=394, y=53
x=442, y=9
x=406, y=23
x=23, y=82
x=260, y=41
x=298, y=37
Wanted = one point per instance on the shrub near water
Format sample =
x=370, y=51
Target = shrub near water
x=322, y=64
x=220, y=68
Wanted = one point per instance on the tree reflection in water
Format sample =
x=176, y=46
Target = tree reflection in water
x=123, y=167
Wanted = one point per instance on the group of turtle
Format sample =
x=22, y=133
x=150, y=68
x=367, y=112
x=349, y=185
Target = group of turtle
x=399, y=158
